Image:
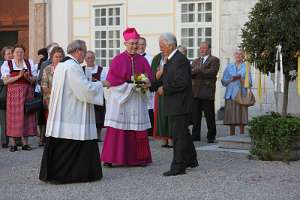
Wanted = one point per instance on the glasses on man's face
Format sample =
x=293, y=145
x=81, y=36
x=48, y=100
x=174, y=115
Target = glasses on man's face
x=132, y=43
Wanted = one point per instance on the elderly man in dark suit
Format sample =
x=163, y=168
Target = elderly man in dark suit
x=176, y=86
x=204, y=74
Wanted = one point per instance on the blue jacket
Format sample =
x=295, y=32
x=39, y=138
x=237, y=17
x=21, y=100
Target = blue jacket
x=232, y=87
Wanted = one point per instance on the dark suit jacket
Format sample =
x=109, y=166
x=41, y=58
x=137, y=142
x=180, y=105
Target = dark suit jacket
x=177, y=86
x=205, y=77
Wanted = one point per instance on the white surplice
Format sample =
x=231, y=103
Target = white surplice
x=71, y=109
x=126, y=108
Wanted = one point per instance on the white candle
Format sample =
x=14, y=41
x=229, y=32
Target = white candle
x=276, y=72
x=281, y=69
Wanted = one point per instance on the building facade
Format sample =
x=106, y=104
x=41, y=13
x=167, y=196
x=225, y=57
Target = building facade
x=101, y=22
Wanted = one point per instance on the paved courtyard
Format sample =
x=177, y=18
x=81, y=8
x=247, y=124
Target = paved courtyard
x=221, y=175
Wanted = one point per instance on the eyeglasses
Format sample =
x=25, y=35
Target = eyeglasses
x=132, y=43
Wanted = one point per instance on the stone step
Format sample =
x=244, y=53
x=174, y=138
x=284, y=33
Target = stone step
x=242, y=142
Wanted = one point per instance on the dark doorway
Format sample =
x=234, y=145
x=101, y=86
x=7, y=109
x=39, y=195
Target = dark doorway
x=8, y=38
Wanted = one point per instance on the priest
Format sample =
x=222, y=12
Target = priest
x=71, y=152
x=127, y=120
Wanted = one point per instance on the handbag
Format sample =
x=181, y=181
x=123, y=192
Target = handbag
x=245, y=100
x=3, y=91
x=33, y=105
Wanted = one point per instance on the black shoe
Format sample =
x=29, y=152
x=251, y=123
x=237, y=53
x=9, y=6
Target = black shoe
x=107, y=164
x=170, y=146
x=26, y=148
x=41, y=144
x=211, y=141
x=196, y=139
x=192, y=164
x=174, y=172
x=13, y=148
x=4, y=146
x=165, y=146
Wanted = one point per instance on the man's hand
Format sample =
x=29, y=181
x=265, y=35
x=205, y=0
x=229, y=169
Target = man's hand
x=105, y=83
x=147, y=84
x=160, y=91
x=159, y=72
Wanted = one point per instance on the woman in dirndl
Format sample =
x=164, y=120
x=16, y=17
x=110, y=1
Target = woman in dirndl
x=20, y=75
x=233, y=79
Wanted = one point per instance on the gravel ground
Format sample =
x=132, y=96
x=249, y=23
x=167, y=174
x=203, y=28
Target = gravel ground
x=221, y=175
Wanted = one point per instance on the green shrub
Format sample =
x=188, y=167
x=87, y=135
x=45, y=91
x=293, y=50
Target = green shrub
x=273, y=133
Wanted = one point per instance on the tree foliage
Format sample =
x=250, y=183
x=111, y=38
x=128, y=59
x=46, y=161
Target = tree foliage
x=273, y=22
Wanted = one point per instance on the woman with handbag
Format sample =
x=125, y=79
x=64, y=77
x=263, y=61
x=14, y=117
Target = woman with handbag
x=6, y=54
x=233, y=79
x=20, y=75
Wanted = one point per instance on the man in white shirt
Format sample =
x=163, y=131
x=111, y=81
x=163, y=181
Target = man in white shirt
x=96, y=72
x=71, y=153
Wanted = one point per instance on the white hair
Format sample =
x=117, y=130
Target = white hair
x=168, y=38
x=51, y=46
x=76, y=44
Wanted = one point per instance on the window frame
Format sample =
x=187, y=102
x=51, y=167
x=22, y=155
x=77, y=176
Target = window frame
x=195, y=25
x=95, y=28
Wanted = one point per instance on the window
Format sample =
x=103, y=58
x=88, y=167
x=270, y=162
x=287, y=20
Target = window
x=195, y=25
x=107, y=29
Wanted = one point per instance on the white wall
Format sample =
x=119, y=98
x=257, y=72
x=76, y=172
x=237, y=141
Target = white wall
x=234, y=14
x=59, y=26
x=72, y=19
x=152, y=18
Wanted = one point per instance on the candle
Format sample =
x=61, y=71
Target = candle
x=298, y=77
x=281, y=69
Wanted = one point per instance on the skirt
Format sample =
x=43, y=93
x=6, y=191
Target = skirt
x=129, y=148
x=161, y=129
x=19, y=124
x=235, y=114
x=70, y=161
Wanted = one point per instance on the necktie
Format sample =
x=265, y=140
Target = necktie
x=202, y=60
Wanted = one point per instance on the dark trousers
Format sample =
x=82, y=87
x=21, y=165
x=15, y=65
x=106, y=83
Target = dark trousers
x=184, y=152
x=208, y=107
x=151, y=116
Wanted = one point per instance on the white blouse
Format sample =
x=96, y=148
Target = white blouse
x=5, y=70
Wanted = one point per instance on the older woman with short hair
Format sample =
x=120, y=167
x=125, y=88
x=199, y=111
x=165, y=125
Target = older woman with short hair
x=233, y=79
x=56, y=55
x=6, y=54
x=20, y=75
